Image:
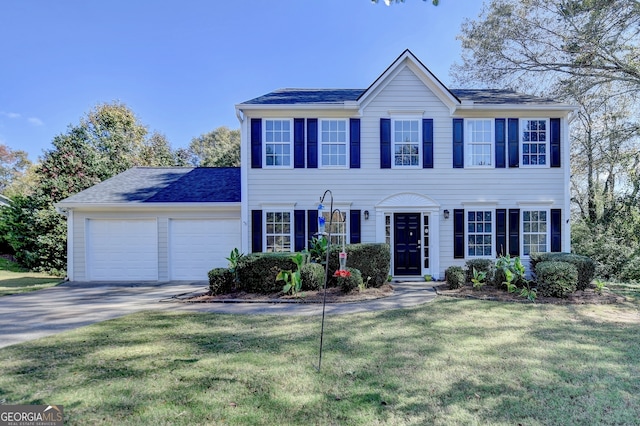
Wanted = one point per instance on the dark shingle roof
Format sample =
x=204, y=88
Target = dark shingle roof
x=165, y=185
x=337, y=96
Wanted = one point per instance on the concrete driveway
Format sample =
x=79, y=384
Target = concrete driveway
x=29, y=316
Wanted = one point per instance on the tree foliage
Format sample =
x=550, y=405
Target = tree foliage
x=13, y=165
x=218, y=148
x=586, y=52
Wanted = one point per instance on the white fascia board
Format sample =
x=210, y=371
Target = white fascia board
x=566, y=108
x=147, y=206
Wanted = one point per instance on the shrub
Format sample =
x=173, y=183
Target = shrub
x=454, y=275
x=585, y=266
x=350, y=282
x=257, y=272
x=556, y=279
x=371, y=259
x=312, y=276
x=482, y=266
x=631, y=271
x=509, y=273
x=221, y=280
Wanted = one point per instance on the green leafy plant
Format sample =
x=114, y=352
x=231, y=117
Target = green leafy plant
x=292, y=279
x=428, y=278
x=478, y=278
x=528, y=292
x=318, y=250
x=599, y=284
x=233, y=259
x=509, y=272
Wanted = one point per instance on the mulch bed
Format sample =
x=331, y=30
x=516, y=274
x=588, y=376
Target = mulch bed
x=580, y=297
x=334, y=295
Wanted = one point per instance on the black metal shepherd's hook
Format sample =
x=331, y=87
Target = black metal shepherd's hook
x=326, y=267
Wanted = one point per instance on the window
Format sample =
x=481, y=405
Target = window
x=479, y=136
x=406, y=143
x=338, y=226
x=479, y=233
x=278, y=235
x=535, y=138
x=278, y=143
x=534, y=231
x=333, y=143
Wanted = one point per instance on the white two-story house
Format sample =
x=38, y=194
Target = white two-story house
x=441, y=175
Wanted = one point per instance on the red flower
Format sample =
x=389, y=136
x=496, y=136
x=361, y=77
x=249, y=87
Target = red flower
x=341, y=273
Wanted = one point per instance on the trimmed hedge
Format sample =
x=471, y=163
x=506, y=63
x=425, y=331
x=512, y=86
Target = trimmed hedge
x=312, y=276
x=454, y=275
x=481, y=265
x=220, y=281
x=556, y=279
x=585, y=266
x=371, y=259
x=257, y=271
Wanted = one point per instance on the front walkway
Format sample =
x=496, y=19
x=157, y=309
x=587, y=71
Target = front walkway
x=29, y=316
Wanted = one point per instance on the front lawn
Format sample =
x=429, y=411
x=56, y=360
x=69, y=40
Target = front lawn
x=15, y=279
x=451, y=361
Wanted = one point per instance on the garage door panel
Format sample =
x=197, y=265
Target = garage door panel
x=122, y=250
x=198, y=245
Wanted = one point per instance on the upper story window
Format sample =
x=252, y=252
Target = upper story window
x=406, y=142
x=535, y=142
x=479, y=140
x=277, y=136
x=333, y=143
x=535, y=235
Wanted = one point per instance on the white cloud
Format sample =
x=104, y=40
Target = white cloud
x=34, y=121
x=10, y=114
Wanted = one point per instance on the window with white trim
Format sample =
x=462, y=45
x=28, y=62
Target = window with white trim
x=338, y=227
x=406, y=142
x=479, y=138
x=535, y=142
x=535, y=231
x=278, y=231
x=277, y=137
x=480, y=233
x=333, y=143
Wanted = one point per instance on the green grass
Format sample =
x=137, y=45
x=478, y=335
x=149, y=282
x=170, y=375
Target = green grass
x=452, y=361
x=15, y=279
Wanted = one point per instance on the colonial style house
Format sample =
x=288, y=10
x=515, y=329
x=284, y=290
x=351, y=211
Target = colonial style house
x=441, y=175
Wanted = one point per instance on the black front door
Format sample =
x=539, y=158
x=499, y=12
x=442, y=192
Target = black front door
x=406, y=244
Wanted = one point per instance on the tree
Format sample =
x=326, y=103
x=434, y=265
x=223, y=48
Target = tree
x=13, y=164
x=218, y=148
x=109, y=140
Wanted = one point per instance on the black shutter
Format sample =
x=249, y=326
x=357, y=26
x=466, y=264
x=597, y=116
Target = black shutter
x=458, y=234
x=298, y=143
x=256, y=231
x=554, y=139
x=354, y=226
x=427, y=143
x=500, y=142
x=312, y=223
x=514, y=232
x=300, y=236
x=385, y=143
x=501, y=232
x=514, y=142
x=354, y=143
x=458, y=143
x=312, y=143
x=256, y=143
x=556, y=230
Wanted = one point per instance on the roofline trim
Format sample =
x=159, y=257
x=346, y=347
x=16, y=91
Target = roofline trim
x=137, y=205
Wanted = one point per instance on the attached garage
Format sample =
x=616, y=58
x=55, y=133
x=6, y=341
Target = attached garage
x=198, y=245
x=122, y=250
x=153, y=224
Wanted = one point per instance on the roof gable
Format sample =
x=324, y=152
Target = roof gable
x=145, y=185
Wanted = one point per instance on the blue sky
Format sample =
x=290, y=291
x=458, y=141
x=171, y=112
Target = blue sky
x=182, y=66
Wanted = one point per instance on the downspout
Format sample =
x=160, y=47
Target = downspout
x=245, y=246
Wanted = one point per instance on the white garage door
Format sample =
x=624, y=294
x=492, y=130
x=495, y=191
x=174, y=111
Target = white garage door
x=122, y=250
x=196, y=246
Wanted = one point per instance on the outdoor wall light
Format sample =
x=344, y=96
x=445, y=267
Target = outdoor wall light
x=446, y=214
x=366, y=215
